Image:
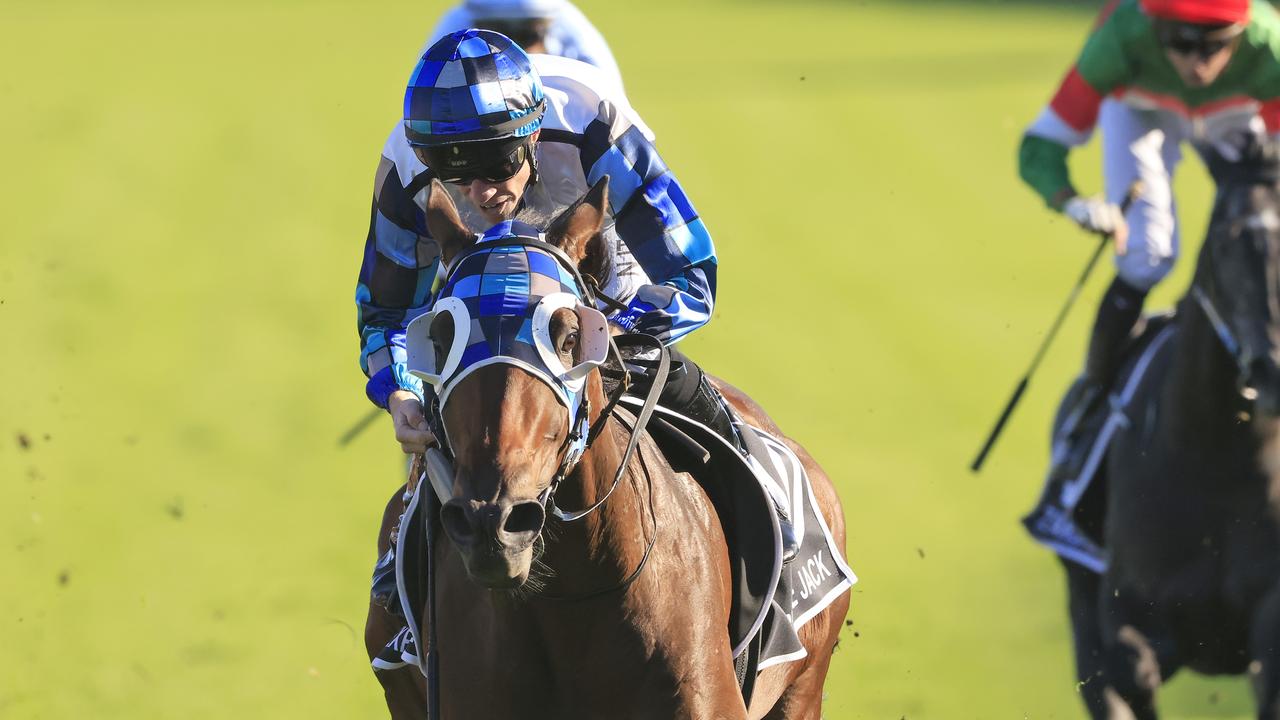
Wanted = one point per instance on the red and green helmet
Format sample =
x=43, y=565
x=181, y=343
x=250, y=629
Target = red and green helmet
x=1199, y=12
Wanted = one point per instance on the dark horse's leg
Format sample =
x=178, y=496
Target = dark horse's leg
x=1137, y=659
x=1083, y=586
x=1264, y=671
x=405, y=688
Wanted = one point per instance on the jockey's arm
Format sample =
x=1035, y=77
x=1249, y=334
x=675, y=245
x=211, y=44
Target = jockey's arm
x=659, y=226
x=394, y=286
x=1069, y=118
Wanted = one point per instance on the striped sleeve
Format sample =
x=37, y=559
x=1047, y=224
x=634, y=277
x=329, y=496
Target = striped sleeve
x=394, y=285
x=659, y=225
x=1069, y=118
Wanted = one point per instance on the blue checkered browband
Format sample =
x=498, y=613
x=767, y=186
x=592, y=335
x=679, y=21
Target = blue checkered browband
x=500, y=296
x=472, y=85
x=500, y=284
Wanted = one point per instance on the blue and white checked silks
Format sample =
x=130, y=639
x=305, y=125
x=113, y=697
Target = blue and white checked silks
x=664, y=262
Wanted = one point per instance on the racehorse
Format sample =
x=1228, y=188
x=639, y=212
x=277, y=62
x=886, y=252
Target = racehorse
x=626, y=612
x=1193, y=488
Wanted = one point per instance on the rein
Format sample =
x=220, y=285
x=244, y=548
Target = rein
x=1228, y=340
x=637, y=432
x=1220, y=327
x=642, y=420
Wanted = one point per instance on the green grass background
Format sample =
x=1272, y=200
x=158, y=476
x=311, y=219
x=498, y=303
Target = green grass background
x=183, y=202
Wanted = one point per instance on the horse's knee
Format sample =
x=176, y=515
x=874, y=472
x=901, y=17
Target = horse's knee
x=1132, y=669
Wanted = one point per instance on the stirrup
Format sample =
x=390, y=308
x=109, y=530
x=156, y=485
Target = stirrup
x=790, y=543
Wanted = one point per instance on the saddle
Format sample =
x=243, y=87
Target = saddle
x=771, y=599
x=1068, y=518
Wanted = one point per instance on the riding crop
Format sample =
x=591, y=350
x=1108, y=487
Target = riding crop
x=1134, y=191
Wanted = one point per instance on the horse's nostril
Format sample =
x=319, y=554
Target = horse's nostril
x=456, y=524
x=525, y=517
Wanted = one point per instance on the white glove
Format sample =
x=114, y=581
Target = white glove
x=1095, y=214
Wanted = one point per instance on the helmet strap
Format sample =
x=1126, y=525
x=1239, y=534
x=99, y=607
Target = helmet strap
x=533, y=165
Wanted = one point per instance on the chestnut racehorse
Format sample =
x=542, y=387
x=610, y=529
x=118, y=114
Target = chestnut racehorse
x=654, y=647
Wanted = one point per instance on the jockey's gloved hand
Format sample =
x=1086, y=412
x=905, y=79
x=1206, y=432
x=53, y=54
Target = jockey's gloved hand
x=410, y=422
x=1094, y=214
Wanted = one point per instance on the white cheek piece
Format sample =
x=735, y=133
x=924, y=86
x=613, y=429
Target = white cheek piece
x=593, y=339
x=420, y=346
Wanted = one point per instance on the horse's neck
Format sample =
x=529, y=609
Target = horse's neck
x=1200, y=396
x=603, y=548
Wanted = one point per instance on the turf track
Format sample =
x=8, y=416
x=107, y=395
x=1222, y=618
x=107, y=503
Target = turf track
x=185, y=197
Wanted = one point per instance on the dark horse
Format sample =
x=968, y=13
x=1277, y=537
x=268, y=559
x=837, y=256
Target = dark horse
x=1193, y=488
x=657, y=647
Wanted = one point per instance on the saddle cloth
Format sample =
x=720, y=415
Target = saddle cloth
x=771, y=600
x=1069, y=514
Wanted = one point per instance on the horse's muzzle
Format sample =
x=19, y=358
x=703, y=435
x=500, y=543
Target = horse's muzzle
x=494, y=539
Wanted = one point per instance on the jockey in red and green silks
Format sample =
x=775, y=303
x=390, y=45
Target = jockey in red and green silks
x=1152, y=74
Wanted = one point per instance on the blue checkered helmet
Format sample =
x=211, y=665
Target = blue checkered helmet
x=473, y=86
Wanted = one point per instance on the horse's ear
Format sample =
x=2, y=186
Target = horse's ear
x=578, y=228
x=445, y=226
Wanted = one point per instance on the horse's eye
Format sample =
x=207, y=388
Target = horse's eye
x=570, y=343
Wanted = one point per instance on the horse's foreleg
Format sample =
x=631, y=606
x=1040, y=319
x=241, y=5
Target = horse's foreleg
x=1264, y=671
x=1086, y=634
x=1133, y=666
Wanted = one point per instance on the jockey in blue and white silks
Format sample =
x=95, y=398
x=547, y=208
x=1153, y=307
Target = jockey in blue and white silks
x=490, y=116
x=515, y=138
x=561, y=29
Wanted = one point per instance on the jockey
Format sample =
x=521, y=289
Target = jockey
x=515, y=138
x=553, y=27
x=1152, y=74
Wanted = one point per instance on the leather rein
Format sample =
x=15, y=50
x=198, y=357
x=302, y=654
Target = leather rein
x=580, y=430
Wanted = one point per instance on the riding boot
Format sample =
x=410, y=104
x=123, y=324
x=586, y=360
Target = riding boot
x=1117, y=315
x=708, y=407
x=1119, y=312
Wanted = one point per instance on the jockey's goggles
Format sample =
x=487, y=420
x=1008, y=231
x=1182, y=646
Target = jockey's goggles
x=1203, y=41
x=463, y=163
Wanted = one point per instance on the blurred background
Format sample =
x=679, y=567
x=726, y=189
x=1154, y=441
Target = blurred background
x=183, y=204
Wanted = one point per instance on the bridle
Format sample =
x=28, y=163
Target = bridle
x=582, y=431
x=1230, y=342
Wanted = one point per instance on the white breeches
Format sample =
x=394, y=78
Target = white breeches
x=1146, y=145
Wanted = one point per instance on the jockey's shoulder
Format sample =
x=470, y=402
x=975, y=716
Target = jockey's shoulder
x=576, y=92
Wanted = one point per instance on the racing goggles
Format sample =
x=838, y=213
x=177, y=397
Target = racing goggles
x=463, y=163
x=1203, y=41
